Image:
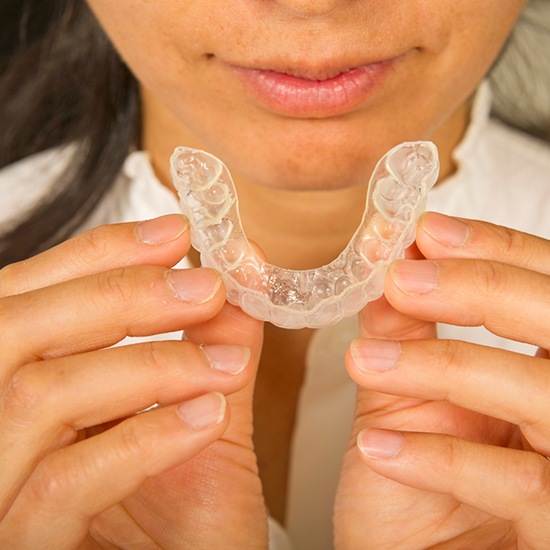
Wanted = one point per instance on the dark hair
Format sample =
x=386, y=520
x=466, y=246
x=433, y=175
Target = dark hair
x=62, y=83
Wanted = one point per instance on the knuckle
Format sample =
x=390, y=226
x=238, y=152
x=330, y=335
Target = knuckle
x=155, y=356
x=453, y=359
x=452, y=354
x=512, y=242
x=455, y=458
x=92, y=245
x=55, y=481
x=8, y=317
x=10, y=279
x=25, y=395
x=490, y=278
x=115, y=288
x=533, y=479
x=136, y=438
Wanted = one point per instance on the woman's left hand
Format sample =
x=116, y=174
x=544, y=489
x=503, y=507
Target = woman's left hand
x=453, y=437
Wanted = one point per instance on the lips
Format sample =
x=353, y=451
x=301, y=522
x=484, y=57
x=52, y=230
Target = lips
x=305, y=93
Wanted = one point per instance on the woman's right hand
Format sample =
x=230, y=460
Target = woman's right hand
x=79, y=467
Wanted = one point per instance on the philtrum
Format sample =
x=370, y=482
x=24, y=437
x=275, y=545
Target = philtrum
x=396, y=197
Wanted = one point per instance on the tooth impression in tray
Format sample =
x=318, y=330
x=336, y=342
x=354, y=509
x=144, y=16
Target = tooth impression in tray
x=319, y=297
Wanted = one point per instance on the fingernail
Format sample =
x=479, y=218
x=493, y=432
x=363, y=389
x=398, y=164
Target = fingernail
x=375, y=443
x=415, y=276
x=445, y=229
x=161, y=230
x=375, y=355
x=195, y=286
x=201, y=412
x=228, y=359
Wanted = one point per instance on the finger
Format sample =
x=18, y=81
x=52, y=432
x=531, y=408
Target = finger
x=47, y=403
x=233, y=326
x=73, y=485
x=125, y=380
x=161, y=241
x=100, y=310
x=229, y=466
x=230, y=326
x=509, y=484
x=511, y=302
x=440, y=236
x=497, y=383
x=380, y=320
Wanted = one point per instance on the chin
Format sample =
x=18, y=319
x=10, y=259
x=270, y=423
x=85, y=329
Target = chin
x=304, y=166
x=325, y=182
x=314, y=173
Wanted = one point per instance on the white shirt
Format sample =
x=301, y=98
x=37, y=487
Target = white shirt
x=502, y=176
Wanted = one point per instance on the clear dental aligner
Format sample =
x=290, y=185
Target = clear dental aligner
x=314, y=297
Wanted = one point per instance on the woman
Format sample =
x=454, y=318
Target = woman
x=300, y=98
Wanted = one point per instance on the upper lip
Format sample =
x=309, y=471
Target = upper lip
x=307, y=70
x=308, y=73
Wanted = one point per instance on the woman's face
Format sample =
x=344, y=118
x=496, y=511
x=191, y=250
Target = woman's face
x=307, y=93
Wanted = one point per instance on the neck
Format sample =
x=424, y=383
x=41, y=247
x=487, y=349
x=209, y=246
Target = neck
x=301, y=229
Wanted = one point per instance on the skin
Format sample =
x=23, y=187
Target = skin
x=282, y=165
x=197, y=485
x=454, y=435
x=68, y=426
x=191, y=97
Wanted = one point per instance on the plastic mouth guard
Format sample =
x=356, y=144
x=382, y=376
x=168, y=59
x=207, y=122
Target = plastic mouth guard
x=319, y=297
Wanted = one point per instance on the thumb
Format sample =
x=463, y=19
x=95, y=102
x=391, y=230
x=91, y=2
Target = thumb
x=230, y=326
x=379, y=319
x=233, y=326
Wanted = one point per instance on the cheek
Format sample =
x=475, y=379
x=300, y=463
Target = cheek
x=476, y=32
x=166, y=42
x=147, y=34
x=480, y=30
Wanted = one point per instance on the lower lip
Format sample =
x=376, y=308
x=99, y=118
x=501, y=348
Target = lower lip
x=303, y=98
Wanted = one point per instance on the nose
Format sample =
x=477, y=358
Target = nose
x=310, y=8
